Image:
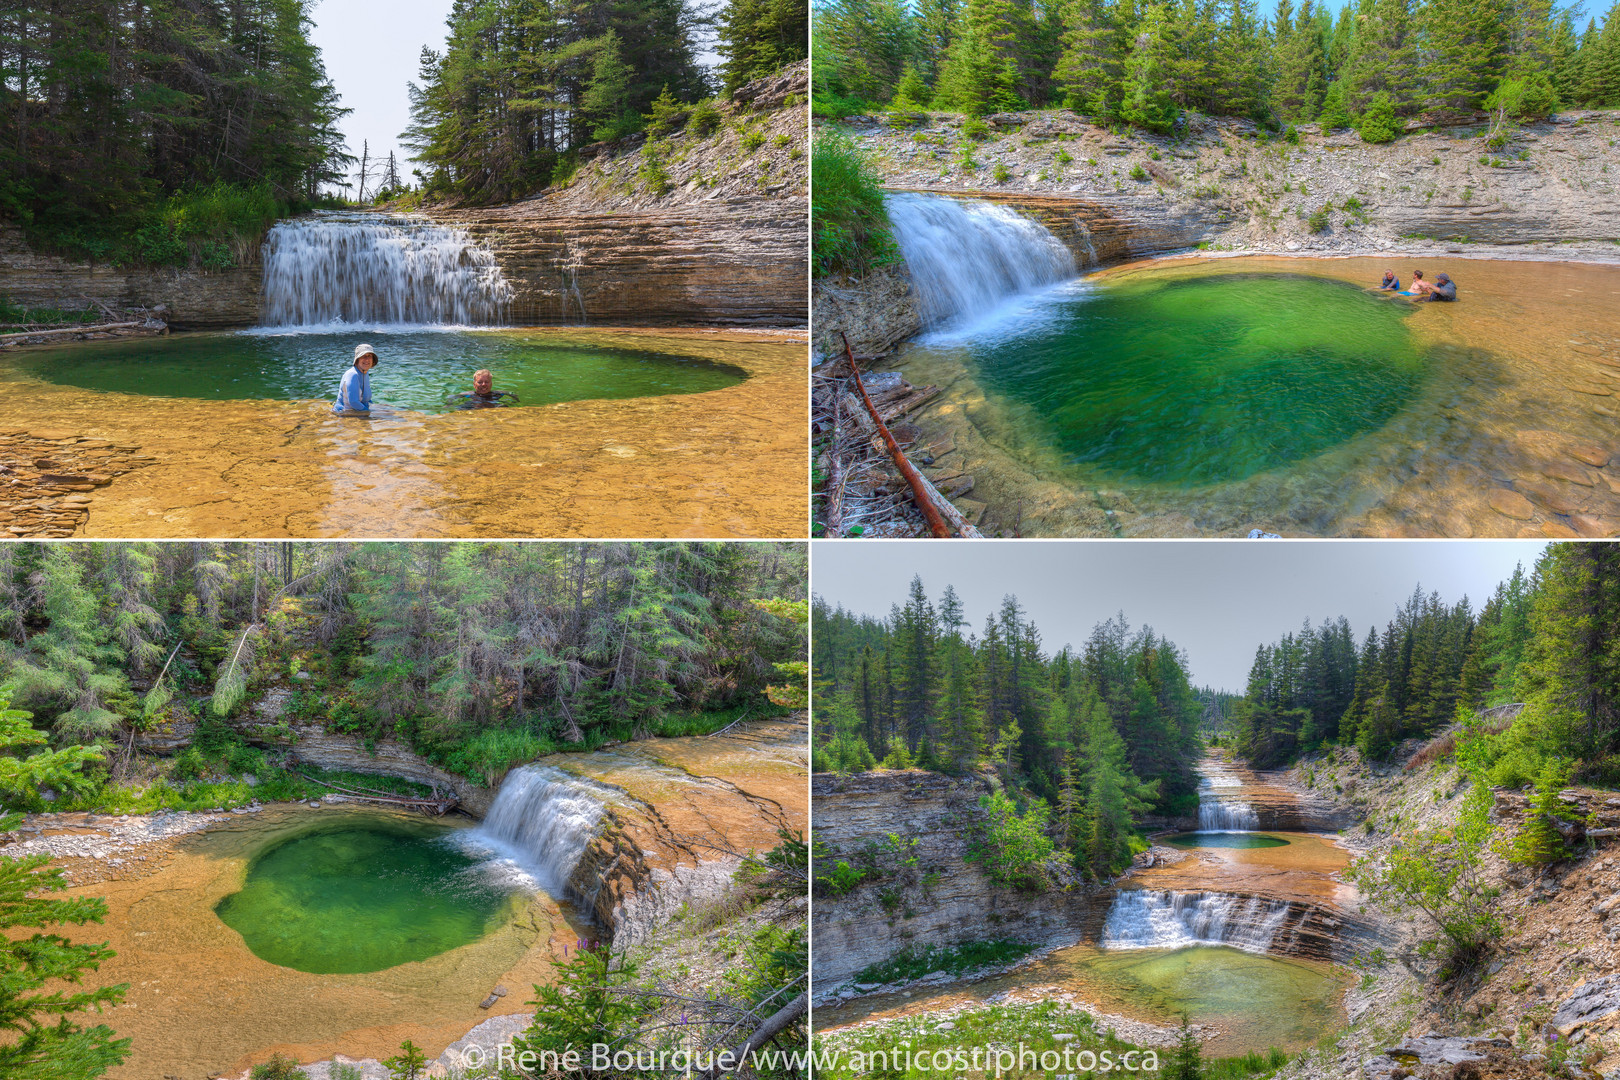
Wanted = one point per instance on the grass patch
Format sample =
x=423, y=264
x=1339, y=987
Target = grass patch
x=214, y=792
x=955, y=960
x=849, y=228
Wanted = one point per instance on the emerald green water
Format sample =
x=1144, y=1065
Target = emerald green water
x=1192, y=840
x=419, y=370
x=1260, y=1000
x=1207, y=380
x=361, y=897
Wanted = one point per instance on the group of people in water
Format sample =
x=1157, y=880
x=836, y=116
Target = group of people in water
x=1441, y=288
x=354, y=390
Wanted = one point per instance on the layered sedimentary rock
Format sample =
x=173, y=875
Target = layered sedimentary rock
x=193, y=299
x=941, y=899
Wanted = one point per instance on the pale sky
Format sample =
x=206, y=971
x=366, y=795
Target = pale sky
x=1218, y=600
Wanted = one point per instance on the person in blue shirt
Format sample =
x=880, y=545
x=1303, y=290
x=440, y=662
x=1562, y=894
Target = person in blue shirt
x=1391, y=282
x=354, y=392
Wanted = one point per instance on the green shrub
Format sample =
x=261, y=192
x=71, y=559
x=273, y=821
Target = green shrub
x=1014, y=849
x=780, y=141
x=1379, y=124
x=849, y=229
x=752, y=140
x=1291, y=136
x=705, y=118
x=1002, y=173
x=1319, y=220
x=1539, y=842
x=652, y=173
x=975, y=129
x=1138, y=173
x=912, y=92
x=1063, y=157
x=1333, y=114
x=840, y=880
x=667, y=114
x=487, y=756
x=1529, y=98
x=279, y=1068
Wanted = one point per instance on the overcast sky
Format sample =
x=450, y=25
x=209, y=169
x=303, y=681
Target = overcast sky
x=1217, y=600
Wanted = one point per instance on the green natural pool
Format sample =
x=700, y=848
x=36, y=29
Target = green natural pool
x=1261, y=1001
x=1204, y=380
x=419, y=370
x=1192, y=840
x=355, y=897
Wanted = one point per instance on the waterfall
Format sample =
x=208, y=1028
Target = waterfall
x=966, y=257
x=1159, y=919
x=371, y=269
x=1220, y=812
x=542, y=820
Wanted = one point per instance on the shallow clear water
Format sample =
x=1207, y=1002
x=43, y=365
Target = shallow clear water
x=1194, y=381
x=1192, y=840
x=1262, y=1001
x=362, y=897
x=421, y=370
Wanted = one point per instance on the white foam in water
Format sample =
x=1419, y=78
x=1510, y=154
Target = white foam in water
x=1160, y=919
x=539, y=826
x=966, y=257
x=341, y=272
x=1223, y=813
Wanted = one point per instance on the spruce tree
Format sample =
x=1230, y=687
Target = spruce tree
x=1145, y=99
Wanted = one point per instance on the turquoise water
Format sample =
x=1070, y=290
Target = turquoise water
x=1206, y=380
x=1259, y=1001
x=420, y=370
x=1223, y=840
x=362, y=897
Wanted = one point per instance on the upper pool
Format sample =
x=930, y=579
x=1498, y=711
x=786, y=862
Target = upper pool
x=420, y=370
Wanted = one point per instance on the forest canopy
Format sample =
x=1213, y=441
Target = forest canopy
x=476, y=655
x=1549, y=640
x=1088, y=740
x=162, y=133
x=1147, y=62
x=521, y=85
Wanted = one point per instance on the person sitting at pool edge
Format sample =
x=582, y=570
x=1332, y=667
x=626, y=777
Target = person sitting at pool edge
x=1442, y=289
x=1391, y=283
x=354, y=392
x=483, y=394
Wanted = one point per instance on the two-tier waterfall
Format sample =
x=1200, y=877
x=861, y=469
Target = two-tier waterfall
x=542, y=821
x=966, y=257
x=379, y=270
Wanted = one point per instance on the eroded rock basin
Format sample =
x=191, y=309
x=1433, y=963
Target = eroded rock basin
x=720, y=462
x=1500, y=420
x=201, y=1003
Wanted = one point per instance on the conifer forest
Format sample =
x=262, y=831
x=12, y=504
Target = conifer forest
x=1146, y=63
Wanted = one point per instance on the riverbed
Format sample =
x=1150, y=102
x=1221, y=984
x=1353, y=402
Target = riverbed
x=726, y=461
x=1497, y=418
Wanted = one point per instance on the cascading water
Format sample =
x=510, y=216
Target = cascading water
x=967, y=257
x=1219, y=812
x=1159, y=919
x=364, y=268
x=542, y=820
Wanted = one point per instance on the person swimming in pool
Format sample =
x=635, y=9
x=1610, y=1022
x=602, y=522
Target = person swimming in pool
x=354, y=392
x=1419, y=286
x=483, y=394
x=1391, y=283
x=1442, y=289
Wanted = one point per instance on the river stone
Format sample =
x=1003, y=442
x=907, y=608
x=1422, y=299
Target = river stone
x=1511, y=504
x=1428, y=1050
x=1595, y=1000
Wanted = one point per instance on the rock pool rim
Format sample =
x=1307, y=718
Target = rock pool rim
x=277, y=918
x=1212, y=838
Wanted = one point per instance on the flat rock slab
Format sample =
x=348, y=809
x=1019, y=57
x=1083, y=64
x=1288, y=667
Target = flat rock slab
x=1428, y=1050
x=1594, y=1001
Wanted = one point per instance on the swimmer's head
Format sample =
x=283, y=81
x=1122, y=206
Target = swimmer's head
x=1389, y=274
x=483, y=381
x=1417, y=274
x=365, y=357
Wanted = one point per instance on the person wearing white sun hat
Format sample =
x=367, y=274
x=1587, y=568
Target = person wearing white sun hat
x=354, y=392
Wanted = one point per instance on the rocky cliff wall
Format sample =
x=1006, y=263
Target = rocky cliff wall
x=944, y=900
x=193, y=299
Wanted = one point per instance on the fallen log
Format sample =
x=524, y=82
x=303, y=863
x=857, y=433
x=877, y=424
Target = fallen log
x=934, y=506
x=85, y=329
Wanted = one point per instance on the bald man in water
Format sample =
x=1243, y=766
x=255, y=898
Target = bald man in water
x=483, y=395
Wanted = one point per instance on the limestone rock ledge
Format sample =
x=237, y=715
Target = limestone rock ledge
x=871, y=924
